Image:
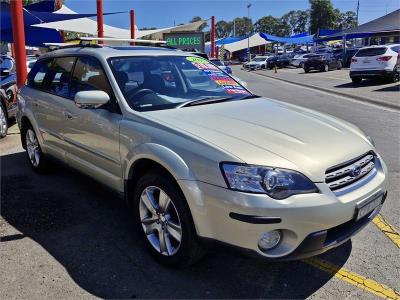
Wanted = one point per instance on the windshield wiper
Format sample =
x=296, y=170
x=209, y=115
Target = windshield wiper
x=250, y=97
x=203, y=100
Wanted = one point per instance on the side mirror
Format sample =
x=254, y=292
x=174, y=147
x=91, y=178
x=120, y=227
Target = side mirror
x=91, y=99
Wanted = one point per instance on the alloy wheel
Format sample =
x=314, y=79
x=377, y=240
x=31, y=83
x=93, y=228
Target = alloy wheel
x=32, y=147
x=3, y=121
x=160, y=221
x=326, y=68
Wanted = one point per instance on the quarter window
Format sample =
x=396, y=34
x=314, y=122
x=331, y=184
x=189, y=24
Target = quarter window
x=57, y=78
x=38, y=72
x=89, y=75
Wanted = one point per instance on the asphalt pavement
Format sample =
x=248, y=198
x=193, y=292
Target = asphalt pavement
x=65, y=236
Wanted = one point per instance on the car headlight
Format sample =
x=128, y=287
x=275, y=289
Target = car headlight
x=276, y=183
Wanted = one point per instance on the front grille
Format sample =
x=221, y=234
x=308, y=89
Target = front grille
x=350, y=172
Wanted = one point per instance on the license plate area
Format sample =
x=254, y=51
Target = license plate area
x=367, y=206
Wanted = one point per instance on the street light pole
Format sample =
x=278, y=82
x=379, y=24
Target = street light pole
x=249, y=32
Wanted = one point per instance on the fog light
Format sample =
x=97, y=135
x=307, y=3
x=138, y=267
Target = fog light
x=269, y=240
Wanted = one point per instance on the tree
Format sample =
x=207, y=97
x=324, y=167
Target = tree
x=298, y=20
x=272, y=25
x=322, y=15
x=243, y=26
x=196, y=19
x=346, y=20
x=223, y=29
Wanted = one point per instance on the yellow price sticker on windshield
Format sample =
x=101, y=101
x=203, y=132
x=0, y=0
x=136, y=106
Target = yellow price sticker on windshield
x=197, y=59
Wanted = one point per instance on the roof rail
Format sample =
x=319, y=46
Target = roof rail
x=56, y=46
x=89, y=39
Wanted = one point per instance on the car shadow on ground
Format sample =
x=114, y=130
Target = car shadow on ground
x=393, y=88
x=88, y=230
x=364, y=83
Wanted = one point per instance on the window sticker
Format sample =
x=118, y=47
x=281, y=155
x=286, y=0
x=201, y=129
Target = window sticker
x=218, y=76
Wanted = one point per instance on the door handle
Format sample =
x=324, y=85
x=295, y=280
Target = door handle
x=68, y=115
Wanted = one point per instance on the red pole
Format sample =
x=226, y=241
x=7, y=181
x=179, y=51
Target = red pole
x=212, y=37
x=132, y=15
x=100, y=31
x=17, y=19
x=62, y=33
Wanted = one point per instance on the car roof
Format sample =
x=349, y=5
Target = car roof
x=380, y=46
x=105, y=52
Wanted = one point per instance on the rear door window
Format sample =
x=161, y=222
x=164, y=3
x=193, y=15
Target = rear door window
x=38, y=72
x=89, y=76
x=371, y=52
x=56, y=80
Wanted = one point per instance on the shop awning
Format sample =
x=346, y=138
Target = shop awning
x=387, y=23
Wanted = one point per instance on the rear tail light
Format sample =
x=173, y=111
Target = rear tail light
x=384, y=58
x=353, y=60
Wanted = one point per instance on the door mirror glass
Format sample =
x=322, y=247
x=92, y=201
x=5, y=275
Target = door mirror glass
x=91, y=99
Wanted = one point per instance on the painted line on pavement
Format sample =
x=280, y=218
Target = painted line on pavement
x=355, y=279
x=387, y=229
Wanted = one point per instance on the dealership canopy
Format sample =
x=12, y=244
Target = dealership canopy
x=302, y=38
x=387, y=23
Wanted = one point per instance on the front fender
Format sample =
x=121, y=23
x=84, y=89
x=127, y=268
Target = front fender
x=162, y=155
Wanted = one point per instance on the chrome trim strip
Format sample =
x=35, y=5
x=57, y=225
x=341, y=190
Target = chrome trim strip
x=347, y=189
x=363, y=161
x=348, y=179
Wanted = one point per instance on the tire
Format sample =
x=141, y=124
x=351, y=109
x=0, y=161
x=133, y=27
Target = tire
x=396, y=74
x=37, y=160
x=307, y=70
x=339, y=65
x=356, y=80
x=325, y=68
x=165, y=224
x=3, y=120
x=301, y=65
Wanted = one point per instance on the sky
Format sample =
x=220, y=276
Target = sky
x=166, y=13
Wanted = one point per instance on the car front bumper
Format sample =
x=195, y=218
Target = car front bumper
x=310, y=224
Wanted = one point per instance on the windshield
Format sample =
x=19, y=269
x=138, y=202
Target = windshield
x=371, y=52
x=259, y=59
x=164, y=82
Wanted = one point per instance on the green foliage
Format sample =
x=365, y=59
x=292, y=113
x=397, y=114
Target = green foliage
x=322, y=15
x=197, y=18
x=243, y=26
x=298, y=20
x=223, y=29
x=272, y=25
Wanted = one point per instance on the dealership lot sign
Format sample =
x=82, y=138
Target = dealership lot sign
x=185, y=40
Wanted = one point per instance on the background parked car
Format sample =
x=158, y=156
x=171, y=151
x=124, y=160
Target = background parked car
x=283, y=60
x=345, y=57
x=8, y=92
x=271, y=61
x=259, y=62
x=299, y=59
x=220, y=64
x=376, y=62
x=322, y=62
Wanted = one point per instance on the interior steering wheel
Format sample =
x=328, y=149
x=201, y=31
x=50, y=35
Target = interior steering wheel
x=140, y=93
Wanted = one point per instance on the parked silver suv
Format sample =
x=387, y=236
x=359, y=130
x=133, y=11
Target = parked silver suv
x=198, y=156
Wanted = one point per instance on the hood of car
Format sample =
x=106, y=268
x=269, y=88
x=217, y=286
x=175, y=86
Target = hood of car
x=271, y=133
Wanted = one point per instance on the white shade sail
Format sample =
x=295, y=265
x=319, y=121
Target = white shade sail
x=89, y=26
x=255, y=40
